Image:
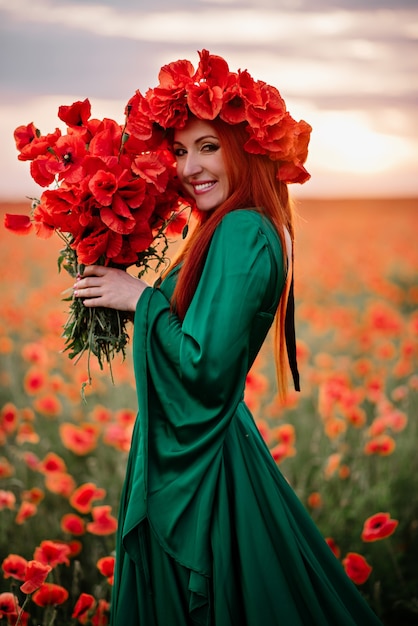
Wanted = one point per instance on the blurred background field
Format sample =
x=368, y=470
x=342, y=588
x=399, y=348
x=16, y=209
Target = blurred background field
x=347, y=443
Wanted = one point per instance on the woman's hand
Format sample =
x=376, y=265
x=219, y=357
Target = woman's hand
x=109, y=287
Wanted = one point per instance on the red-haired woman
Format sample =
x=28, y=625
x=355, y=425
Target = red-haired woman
x=210, y=533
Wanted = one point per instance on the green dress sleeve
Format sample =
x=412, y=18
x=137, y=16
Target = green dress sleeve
x=190, y=380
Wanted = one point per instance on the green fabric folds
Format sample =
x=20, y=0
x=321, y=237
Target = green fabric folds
x=210, y=533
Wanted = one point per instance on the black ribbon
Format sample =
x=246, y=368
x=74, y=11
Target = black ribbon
x=290, y=334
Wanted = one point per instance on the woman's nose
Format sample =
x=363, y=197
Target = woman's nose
x=191, y=165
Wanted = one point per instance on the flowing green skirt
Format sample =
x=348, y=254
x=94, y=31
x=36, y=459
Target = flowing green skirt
x=270, y=564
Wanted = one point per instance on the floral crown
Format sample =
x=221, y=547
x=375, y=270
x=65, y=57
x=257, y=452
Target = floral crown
x=211, y=91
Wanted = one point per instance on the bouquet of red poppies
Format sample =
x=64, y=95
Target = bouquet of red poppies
x=113, y=199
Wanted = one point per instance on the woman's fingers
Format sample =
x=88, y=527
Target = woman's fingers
x=108, y=287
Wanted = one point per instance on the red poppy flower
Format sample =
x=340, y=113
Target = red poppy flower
x=101, y=614
x=48, y=405
x=152, y=169
x=106, y=566
x=36, y=574
x=27, y=433
x=9, y=417
x=14, y=566
x=335, y=549
x=79, y=439
x=73, y=524
x=24, y=135
x=103, y=522
x=77, y=114
x=38, y=144
x=118, y=437
x=315, y=500
x=83, y=606
x=9, y=604
x=34, y=495
x=75, y=547
x=382, y=445
x=52, y=462
x=35, y=380
x=6, y=469
x=26, y=510
x=61, y=483
x=7, y=499
x=83, y=497
x=378, y=526
x=52, y=553
x=19, y=224
x=50, y=594
x=357, y=568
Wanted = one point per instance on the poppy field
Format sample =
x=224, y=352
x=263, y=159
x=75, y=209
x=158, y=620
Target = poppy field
x=346, y=443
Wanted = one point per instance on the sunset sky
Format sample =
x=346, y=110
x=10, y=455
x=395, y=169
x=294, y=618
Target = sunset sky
x=348, y=67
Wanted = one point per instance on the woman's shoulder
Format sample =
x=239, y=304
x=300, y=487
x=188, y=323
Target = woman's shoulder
x=252, y=222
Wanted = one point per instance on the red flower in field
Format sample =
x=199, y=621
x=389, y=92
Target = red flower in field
x=36, y=574
x=14, y=566
x=101, y=615
x=357, y=568
x=27, y=433
x=26, y=510
x=335, y=549
x=7, y=499
x=52, y=553
x=332, y=464
x=118, y=436
x=8, y=417
x=382, y=445
x=106, y=566
x=34, y=381
x=48, y=405
x=73, y=524
x=50, y=594
x=34, y=495
x=378, y=526
x=35, y=352
x=79, y=439
x=61, y=483
x=125, y=417
x=315, y=500
x=282, y=451
x=83, y=497
x=334, y=427
x=101, y=414
x=75, y=547
x=52, y=463
x=31, y=460
x=103, y=522
x=9, y=605
x=83, y=606
x=6, y=469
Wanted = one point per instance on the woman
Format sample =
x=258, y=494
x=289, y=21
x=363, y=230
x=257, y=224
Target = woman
x=210, y=533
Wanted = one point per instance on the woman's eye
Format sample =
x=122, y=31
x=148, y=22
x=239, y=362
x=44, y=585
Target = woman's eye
x=179, y=152
x=209, y=147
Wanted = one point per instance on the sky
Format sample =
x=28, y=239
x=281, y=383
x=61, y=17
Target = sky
x=348, y=67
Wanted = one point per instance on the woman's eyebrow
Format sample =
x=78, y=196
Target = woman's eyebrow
x=199, y=139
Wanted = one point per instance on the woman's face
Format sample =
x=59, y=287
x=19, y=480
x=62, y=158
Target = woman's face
x=200, y=164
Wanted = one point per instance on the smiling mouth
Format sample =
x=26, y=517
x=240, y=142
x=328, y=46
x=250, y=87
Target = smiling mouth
x=202, y=187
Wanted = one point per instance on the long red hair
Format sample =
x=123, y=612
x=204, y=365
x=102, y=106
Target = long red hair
x=253, y=184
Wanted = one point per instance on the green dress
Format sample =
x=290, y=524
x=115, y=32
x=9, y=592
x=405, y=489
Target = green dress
x=210, y=533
